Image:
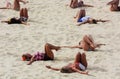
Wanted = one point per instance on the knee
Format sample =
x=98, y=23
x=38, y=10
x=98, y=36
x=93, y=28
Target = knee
x=47, y=45
x=83, y=54
x=86, y=36
x=78, y=53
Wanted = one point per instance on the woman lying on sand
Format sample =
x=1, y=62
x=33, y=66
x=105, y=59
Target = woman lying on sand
x=48, y=55
x=76, y=4
x=114, y=5
x=81, y=18
x=79, y=65
x=15, y=6
x=87, y=44
x=22, y=20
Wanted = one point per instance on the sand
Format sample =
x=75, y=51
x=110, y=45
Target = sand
x=52, y=22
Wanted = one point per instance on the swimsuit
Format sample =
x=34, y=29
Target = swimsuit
x=83, y=19
x=17, y=21
x=41, y=56
x=23, y=19
x=14, y=21
x=82, y=67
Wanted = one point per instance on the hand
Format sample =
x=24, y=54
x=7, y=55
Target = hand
x=85, y=72
x=29, y=64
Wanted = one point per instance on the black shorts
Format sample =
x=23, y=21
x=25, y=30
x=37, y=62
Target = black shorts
x=46, y=57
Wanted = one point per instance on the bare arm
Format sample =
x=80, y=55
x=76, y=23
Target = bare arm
x=86, y=5
x=78, y=46
x=31, y=61
x=25, y=23
x=102, y=20
x=71, y=2
x=4, y=21
x=82, y=23
x=49, y=67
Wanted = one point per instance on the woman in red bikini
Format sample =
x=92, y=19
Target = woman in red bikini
x=48, y=55
x=79, y=65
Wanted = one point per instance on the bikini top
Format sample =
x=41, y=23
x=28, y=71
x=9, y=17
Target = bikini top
x=83, y=19
x=39, y=56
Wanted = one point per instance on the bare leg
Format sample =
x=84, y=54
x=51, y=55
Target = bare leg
x=17, y=4
x=74, y=4
x=21, y=13
x=24, y=12
x=80, y=14
x=80, y=58
x=88, y=39
x=49, y=48
x=83, y=60
x=8, y=6
x=87, y=43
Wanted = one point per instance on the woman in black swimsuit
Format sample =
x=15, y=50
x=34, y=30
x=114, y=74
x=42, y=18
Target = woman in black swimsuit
x=22, y=20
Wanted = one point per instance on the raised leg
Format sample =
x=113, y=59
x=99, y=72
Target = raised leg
x=78, y=58
x=24, y=12
x=88, y=39
x=83, y=60
x=80, y=14
x=49, y=48
x=16, y=5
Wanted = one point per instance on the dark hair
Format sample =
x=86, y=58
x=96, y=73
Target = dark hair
x=94, y=21
x=27, y=57
x=66, y=70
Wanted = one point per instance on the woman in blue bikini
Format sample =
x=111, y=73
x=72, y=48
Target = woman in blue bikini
x=79, y=65
x=81, y=18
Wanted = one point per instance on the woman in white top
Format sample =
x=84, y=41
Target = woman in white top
x=81, y=18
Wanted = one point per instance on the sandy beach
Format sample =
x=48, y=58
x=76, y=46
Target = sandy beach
x=52, y=22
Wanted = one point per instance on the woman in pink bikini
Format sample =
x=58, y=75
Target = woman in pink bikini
x=79, y=65
x=15, y=6
x=48, y=55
